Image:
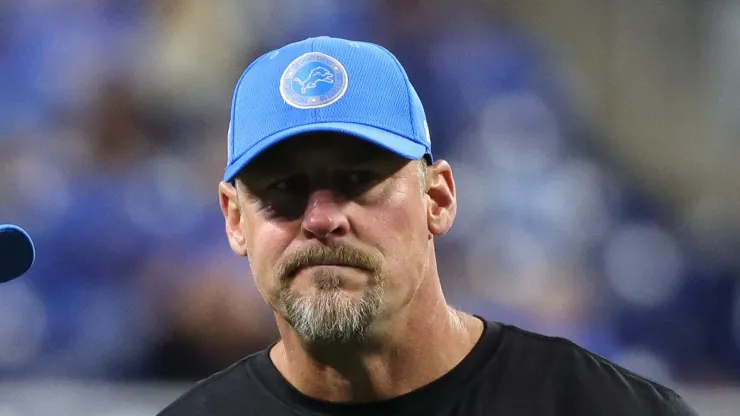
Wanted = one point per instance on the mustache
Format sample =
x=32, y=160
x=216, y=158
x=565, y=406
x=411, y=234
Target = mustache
x=323, y=255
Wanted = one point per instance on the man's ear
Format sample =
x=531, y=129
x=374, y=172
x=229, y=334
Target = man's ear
x=442, y=206
x=229, y=201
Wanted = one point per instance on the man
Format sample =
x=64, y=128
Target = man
x=332, y=194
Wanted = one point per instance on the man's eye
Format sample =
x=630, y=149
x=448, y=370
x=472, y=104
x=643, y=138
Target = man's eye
x=280, y=185
x=356, y=182
x=360, y=177
x=298, y=183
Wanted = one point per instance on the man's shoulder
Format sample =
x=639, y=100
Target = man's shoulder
x=586, y=376
x=230, y=385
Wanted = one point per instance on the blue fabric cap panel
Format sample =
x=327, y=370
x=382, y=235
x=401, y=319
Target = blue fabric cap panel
x=325, y=84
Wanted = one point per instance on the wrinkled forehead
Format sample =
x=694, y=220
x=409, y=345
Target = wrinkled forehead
x=319, y=150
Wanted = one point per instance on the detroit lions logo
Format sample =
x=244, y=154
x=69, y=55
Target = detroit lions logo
x=313, y=80
x=318, y=74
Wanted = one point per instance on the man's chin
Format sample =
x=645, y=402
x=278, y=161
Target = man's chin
x=330, y=317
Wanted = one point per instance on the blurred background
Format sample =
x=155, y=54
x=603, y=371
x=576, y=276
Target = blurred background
x=594, y=145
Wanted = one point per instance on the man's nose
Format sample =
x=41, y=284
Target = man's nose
x=324, y=217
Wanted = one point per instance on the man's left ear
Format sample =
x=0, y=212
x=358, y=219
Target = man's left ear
x=442, y=206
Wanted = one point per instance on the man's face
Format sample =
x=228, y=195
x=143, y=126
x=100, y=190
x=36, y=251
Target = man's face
x=336, y=231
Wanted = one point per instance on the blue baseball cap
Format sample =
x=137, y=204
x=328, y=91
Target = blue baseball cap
x=17, y=252
x=325, y=84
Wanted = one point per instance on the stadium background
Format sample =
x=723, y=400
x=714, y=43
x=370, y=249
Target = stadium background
x=594, y=144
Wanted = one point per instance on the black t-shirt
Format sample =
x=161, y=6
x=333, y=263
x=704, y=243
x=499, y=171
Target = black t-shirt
x=509, y=372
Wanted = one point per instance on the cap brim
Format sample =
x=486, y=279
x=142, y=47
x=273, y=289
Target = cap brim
x=17, y=252
x=393, y=142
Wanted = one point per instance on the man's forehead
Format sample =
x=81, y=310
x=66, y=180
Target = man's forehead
x=318, y=149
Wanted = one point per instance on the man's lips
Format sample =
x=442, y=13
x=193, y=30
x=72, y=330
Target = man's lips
x=326, y=264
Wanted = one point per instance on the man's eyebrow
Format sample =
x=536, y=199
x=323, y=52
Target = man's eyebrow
x=272, y=164
x=365, y=156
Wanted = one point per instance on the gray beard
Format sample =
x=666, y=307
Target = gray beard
x=331, y=316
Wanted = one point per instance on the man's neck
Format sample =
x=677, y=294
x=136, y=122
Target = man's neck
x=427, y=344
